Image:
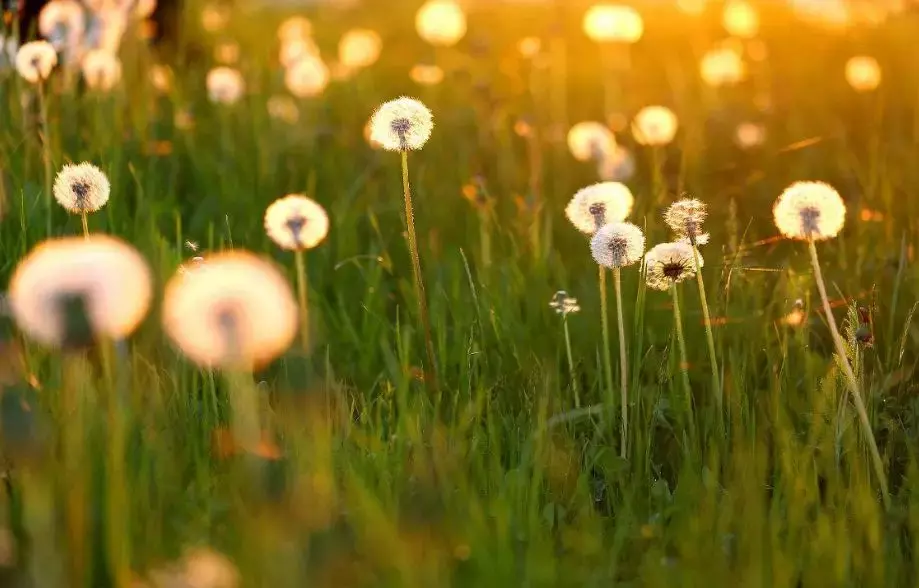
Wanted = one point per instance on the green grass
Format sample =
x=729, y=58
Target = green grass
x=376, y=481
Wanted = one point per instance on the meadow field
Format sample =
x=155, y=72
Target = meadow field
x=554, y=374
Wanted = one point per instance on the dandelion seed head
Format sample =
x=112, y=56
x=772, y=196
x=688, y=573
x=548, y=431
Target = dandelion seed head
x=308, y=77
x=667, y=264
x=564, y=304
x=441, y=22
x=294, y=50
x=749, y=135
x=359, y=48
x=693, y=7
x=529, y=47
x=60, y=19
x=235, y=310
x=402, y=124
x=685, y=218
x=35, y=60
x=616, y=166
x=101, y=70
x=617, y=245
x=599, y=204
x=722, y=66
x=81, y=188
x=206, y=568
x=296, y=222
x=161, y=78
x=590, y=141
x=654, y=125
x=809, y=210
x=283, y=108
x=108, y=276
x=426, y=74
x=740, y=19
x=225, y=85
x=295, y=28
x=214, y=17
x=226, y=53
x=604, y=23
x=863, y=73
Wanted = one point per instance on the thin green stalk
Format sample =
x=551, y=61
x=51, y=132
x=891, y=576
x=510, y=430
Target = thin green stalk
x=710, y=338
x=46, y=153
x=431, y=369
x=604, y=316
x=850, y=377
x=85, y=226
x=117, y=533
x=684, y=361
x=623, y=362
x=300, y=260
x=574, y=379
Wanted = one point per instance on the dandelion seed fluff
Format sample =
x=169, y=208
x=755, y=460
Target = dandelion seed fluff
x=616, y=166
x=685, y=217
x=590, y=141
x=722, y=67
x=296, y=222
x=359, y=48
x=293, y=51
x=235, y=310
x=101, y=70
x=81, y=188
x=740, y=19
x=654, y=125
x=809, y=210
x=225, y=85
x=308, y=77
x=295, y=28
x=599, y=204
x=617, y=245
x=109, y=276
x=613, y=23
x=667, y=264
x=58, y=15
x=35, y=60
x=441, y=22
x=402, y=124
x=283, y=108
x=426, y=74
x=749, y=135
x=863, y=73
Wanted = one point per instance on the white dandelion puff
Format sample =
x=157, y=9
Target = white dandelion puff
x=604, y=23
x=35, y=60
x=441, y=22
x=81, y=188
x=359, y=48
x=402, y=124
x=863, y=73
x=654, y=125
x=563, y=304
x=296, y=222
x=590, y=140
x=307, y=77
x=667, y=264
x=685, y=218
x=599, y=204
x=617, y=245
x=101, y=70
x=225, y=85
x=809, y=211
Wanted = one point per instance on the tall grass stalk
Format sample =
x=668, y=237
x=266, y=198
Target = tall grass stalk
x=46, y=154
x=300, y=262
x=709, y=336
x=623, y=362
x=574, y=378
x=850, y=377
x=430, y=377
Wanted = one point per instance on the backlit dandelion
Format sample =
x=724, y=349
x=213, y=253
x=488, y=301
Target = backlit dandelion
x=81, y=189
x=863, y=73
x=35, y=60
x=564, y=305
x=668, y=264
x=740, y=19
x=62, y=21
x=283, y=108
x=235, y=311
x=214, y=17
x=599, y=204
x=102, y=278
x=295, y=28
x=161, y=78
x=359, y=48
x=308, y=77
x=605, y=23
x=225, y=85
x=101, y=70
x=296, y=222
x=441, y=22
x=590, y=141
x=529, y=47
x=426, y=74
x=722, y=66
x=809, y=211
x=616, y=166
x=617, y=244
x=226, y=53
x=402, y=124
x=654, y=126
x=750, y=135
x=293, y=51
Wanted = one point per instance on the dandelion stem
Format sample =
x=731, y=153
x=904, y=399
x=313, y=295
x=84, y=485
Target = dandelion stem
x=604, y=314
x=431, y=371
x=623, y=361
x=710, y=338
x=574, y=378
x=300, y=261
x=85, y=225
x=684, y=361
x=657, y=174
x=46, y=152
x=850, y=377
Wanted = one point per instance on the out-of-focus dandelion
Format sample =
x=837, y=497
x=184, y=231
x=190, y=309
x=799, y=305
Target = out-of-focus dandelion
x=722, y=67
x=297, y=223
x=740, y=19
x=403, y=125
x=529, y=47
x=283, y=108
x=214, y=17
x=797, y=315
x=750, y=135
x=590, y=141
x=614, y=246
x=616, y=166
x=685, y=218
x=295, y=28
x=109, y=29
x=693, y=7
x=161, y=78
x=814, y=211
x=35, y=60
x=654, y=126
x=184, y=119
x=863, y=73
x=62, y=22
x=225, y=85
x=101, y=70
x=206, y=568
x=613, y=23
x=441, y=22
x=293, y=51
x=426, y=74
x=81, y=189
x=359, y=48
x=598, y=205
x=67, y=291
x=563, y=306
x=809, y=211
x=226, y=53
x=308, y=77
